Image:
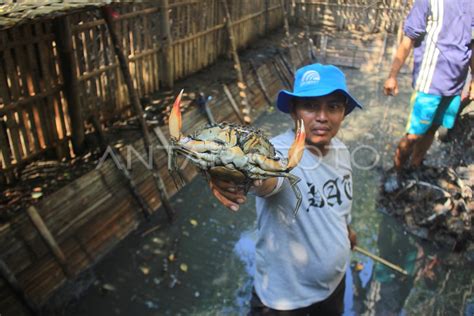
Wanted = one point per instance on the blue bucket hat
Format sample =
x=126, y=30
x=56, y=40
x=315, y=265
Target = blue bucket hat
x=316, y=80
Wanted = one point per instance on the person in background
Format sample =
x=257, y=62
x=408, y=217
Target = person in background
x=440, y=31
x=301, y=261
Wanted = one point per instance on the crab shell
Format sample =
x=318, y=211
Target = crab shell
x=232, y=152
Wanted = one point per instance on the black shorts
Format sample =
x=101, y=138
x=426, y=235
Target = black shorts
x=333, y=305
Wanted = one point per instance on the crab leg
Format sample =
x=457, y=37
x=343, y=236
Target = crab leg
x=264, y=174
x=175, y=121
x=296, y=150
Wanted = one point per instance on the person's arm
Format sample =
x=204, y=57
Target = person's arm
x=391, y=85
x=414, y=28
x=231, y=195
x=471, y=88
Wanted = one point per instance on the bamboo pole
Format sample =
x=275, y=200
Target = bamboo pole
x=267, y=18
x=287, y=32
x=261, y=84
x=146, y=210
x=48, y=238
x=108, y=16
x=285, y=22
x=62, y=29
x=13, y=283
x=232, y=103
x=167, y=59
x=381, y=260
x=238, y=68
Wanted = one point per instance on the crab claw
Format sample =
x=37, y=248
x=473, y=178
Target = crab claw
x=297, y=148
x=175, y=122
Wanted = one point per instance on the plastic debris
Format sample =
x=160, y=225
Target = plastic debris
x=183, y=267
x=109, y=287
x=359, y=266
x=145, y=270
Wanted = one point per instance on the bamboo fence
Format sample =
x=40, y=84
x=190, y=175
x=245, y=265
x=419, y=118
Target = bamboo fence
x=56, y=73
x=350, y=15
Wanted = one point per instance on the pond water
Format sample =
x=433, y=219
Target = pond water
x=203, y=263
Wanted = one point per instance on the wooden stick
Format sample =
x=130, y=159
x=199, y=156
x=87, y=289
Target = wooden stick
x=237, y=65
x=68, y=66
x=261, y=84
x=209, y=116
x=381, y=260
x=107, y=14
x=132, y=186
x=167, y=44
x=287, y=30
x=162, y=138
x=232, y=103
x=48, y=238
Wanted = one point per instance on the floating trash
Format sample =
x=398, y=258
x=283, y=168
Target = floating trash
x=183, y=267
x=145, y=270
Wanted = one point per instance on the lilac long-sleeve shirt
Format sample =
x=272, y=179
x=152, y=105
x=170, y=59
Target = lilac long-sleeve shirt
x=442, y=31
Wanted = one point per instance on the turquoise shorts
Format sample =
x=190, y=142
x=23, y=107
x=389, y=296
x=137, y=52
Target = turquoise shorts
x=428, y=109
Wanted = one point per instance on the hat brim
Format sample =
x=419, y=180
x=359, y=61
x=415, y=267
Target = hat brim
x=285, y=98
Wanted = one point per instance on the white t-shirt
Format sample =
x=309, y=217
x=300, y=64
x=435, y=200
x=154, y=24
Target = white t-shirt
x=300, y=261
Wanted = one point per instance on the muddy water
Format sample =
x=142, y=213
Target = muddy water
x=203, y=264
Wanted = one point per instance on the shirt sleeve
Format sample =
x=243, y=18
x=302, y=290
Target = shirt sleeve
x=348, y=219
x=415, y=23
x=277, y=188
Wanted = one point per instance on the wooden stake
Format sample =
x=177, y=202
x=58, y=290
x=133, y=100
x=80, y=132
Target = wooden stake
x=48, y=238
x=62, y=29
x=261, y=84
x=107, y=14
x=162, y=138
x=167, y=59
x=240, y=77
x=381, y=260
x=287, y=30
x=232, y=103
x=146, y=210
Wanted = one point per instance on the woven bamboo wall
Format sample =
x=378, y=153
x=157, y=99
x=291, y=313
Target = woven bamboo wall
x=34, y=111
x=360, y=15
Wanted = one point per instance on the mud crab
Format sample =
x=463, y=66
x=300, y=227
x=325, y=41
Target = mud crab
x=238, y=153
